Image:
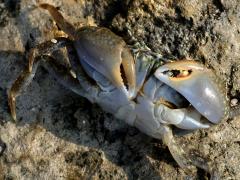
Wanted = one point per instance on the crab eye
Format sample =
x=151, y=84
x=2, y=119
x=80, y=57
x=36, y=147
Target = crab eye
x=177, y=73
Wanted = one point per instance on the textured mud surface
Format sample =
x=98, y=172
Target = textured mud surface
x=62, y=136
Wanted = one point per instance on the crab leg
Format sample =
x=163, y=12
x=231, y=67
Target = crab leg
x=183, y=159
x=20, y=83
x=28, y=73
x=61, y=22
x=63, y=75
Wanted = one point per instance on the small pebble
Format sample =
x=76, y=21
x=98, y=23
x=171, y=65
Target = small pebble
x=54, y=41
x=234, y=102
x=74, y=75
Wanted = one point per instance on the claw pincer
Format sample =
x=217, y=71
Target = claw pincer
x=184, y=94
x=199, y=85
x=106, y=53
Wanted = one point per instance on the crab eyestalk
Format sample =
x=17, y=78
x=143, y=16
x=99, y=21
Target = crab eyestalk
x=106, y=52
x=198, y=85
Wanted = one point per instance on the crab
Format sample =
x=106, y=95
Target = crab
x=103, y=69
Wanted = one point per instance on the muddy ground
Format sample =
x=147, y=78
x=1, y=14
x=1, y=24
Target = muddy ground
x=60, y=135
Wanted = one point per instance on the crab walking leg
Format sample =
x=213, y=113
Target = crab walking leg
x=27, y=74
x=183, y=159
x=61, y=22
x=74, y=78
x=20, y=84
x=63, y=75
x=46, y=48
x=178, y=153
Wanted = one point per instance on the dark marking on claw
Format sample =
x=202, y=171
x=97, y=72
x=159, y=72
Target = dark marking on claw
x=175, y=73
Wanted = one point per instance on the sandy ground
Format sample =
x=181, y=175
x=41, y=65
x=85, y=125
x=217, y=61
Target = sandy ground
x=60, y=135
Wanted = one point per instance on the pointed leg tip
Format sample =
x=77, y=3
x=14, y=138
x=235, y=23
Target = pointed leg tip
x=13, y=113
x=12, y=106
x=14, y=118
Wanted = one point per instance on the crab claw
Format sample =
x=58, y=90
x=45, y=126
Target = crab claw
x=185, y=118
x=198, y=85
x=102, y=50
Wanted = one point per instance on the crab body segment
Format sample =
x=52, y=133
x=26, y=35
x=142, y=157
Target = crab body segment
x=182, y=94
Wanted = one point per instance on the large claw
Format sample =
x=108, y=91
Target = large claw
x=198, y=85
x=152, y=105
x=106, y=53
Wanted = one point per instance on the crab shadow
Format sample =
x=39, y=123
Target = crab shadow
x=75, y=119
